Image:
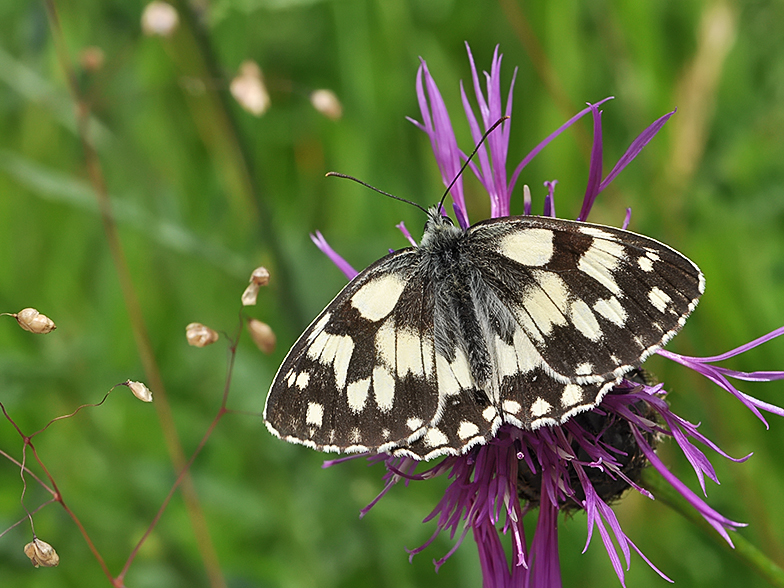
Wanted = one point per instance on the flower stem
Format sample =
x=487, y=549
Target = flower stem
x=744, y=550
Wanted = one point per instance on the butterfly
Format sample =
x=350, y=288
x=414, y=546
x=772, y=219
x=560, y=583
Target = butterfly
x=520, y=320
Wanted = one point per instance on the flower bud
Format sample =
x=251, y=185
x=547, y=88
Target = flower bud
x=262, y=335
x=249, y=90
x=159, y=18
x=139, y=390
x=259, y=277
x=200, y=336
x=327, y=103
x=41, y=554
x=35, y=322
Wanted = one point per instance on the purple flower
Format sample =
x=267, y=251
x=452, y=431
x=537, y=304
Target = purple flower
x=591, y=459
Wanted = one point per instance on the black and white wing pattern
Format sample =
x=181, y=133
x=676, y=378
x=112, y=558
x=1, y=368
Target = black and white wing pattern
x=521, y=320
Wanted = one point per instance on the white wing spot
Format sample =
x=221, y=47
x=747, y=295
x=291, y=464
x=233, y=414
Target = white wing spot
x=435, y=438
x=385, y=433
x=291, y=378
x=599, y=261
x=335, y=350
x=543, y=311
x=659, y=298
x=597, y=232
x=540, y=407
x=645, y=264
x=584, y=369
x=409, y=353
x=572, y=394
x=414, y=423
x=585, y=321
x=356, y=394
x=302, y=380
x=447, y=384
x=319, y=327
x=461, y=369
x=385, y=343
x=531, y=247
x=467, y=430
x=342, y=359
x=315, y=414
x=489, y=413
x=383, y=388
x=511, y=406
x=524, y=319
x=354, y=435
x=612, y=310
x=518, y=358
x=652, y=255
x=375, y=299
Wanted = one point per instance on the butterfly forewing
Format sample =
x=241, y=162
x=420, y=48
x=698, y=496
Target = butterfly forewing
x=558, y=310
x=594, y=301
x=362, y=376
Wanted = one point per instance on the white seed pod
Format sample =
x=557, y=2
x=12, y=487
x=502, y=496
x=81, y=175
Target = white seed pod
x=159, y=18
x=262, y=334
x=327, y=103
x=249, y=90
x=35, y=322
x=139, y=390
x=41, y=554
x=199, y=335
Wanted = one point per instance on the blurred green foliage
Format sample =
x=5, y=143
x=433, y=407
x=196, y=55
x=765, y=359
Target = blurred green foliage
x=203, y=192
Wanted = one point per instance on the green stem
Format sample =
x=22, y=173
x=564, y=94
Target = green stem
x=744, y=550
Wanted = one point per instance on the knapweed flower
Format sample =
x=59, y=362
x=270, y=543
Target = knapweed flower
x=592, y=458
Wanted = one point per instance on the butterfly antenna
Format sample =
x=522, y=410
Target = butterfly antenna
x=470, y=157
x=339, y=175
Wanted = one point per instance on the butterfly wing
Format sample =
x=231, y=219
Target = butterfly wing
x=362, y=376
x=571, y=307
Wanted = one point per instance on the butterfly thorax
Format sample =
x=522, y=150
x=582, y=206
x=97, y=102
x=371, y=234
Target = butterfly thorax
x=457, y=318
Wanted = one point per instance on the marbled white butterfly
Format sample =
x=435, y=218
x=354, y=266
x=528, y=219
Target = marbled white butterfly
x=523, y=320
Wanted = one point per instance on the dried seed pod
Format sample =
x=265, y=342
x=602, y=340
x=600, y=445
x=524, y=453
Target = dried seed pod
x=139, y=390
x=262, y=335
x=159, y=18
x=35, y=322
x=327, y=103
x=199, y=335
x=249, y=90
x=41, y=554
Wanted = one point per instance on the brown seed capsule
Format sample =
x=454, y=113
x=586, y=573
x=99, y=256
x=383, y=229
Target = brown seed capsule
x=41, y=554
x=159, y=18
x=35, y=322
x=200, y=336
x=139, y=390
x=262, y=335
x=327, y=103
x=249, y=90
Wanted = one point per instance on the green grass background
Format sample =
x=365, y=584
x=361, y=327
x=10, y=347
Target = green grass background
x=203, y=192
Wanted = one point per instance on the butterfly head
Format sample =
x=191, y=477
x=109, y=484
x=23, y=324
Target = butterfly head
x=439, y=228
